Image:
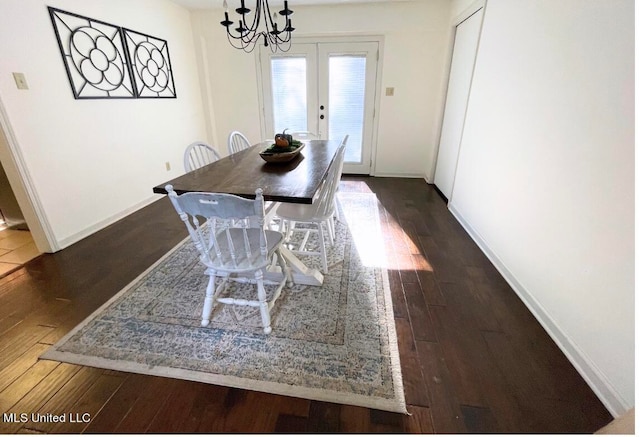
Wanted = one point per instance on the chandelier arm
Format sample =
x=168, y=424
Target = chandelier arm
x=269, y=21
x=256, y=16
x=244, y=44
x=278, y=39
x=248, y=37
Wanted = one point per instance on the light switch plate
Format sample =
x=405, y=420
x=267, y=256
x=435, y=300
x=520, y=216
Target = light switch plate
x=21, y=81
x=389, y=91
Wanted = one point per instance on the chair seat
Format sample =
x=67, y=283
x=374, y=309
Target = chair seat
x=243, y=263
x=302, y=212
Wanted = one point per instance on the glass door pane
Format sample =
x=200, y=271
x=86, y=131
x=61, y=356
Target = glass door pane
x=346, y=85
x=347, y=80
x=289, y=91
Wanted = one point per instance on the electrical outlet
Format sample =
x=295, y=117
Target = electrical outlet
x=21, y=81
x=389, y=91
x=167, y=165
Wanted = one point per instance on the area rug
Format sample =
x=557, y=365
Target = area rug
x=334, y=343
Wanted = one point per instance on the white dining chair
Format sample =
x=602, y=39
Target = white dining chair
x=230, y=253
x=320, y=212
x=304, y=135
x=199, y=154
x=237, y=142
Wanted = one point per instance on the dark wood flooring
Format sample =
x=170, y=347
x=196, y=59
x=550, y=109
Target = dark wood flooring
x=474, y=360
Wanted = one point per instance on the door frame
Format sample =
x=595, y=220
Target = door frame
x=318, y=39
x=23, y=186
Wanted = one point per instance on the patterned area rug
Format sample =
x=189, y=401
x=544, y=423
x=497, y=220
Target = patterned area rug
x=334, y=343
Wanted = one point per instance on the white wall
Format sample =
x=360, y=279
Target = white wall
x=93, y=161
x=545, y=180
x=460, y=6
x=416, y=44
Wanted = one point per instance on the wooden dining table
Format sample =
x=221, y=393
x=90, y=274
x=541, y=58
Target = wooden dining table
x=296, y=181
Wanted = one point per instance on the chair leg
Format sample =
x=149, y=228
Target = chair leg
x=323, y=251
x=208, y=300
x=331, y=230
x=290, y=227
x=264, y=306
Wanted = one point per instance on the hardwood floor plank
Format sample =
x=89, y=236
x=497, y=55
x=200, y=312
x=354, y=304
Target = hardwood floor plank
x=478, y=420
x=290, y=424
x=446, y=265
x=430, y=289
x=24, y=383
x=294, y=406
x=421, y=324
x=397, y=295
x=88, y=405
x=419, y=421
x=146, y=406
x=118, y=406
x=19, y=340
x=20, y=365
x=471, y=306
x=386, y=422
x=174, y=415
x=239, y=413
x=415, y=390
x=461, y=349
x=324, y=417
x=240, y=418
x=445, y=409
x=64, y=399
x=211, y=407
x=40, y=394
x=354, y=420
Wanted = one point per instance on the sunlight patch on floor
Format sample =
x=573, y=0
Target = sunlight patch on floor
x=409, y=255
x=368, y=237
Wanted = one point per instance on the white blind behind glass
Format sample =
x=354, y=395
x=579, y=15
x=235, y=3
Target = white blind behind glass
x=347, y=75
x=289, y=90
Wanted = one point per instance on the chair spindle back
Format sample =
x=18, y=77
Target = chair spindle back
x=217, y=233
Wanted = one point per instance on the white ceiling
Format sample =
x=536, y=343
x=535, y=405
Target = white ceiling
x=211, y=4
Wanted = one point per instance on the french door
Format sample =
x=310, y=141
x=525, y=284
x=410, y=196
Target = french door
x=327, y=88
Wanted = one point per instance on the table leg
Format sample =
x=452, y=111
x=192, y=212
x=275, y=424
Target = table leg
x=301, y=274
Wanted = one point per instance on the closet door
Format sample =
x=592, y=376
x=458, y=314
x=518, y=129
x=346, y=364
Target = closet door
x=462, y=62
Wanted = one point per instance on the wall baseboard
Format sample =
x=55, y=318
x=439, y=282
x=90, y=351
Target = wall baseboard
x=598, y=382
x=74, y=238
x=399, y=175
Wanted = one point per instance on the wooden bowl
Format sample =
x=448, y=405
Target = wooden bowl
x=271, y=155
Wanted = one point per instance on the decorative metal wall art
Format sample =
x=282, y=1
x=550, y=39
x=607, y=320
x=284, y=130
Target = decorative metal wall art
x=104, y=61
x=150, y=64
x=94, y=56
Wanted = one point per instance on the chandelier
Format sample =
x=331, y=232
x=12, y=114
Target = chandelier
x=246, y=37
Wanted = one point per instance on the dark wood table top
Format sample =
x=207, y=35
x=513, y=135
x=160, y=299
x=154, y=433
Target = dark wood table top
x=296, y=181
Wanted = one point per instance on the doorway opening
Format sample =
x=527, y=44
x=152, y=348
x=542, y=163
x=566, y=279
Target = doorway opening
x=16, y=242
